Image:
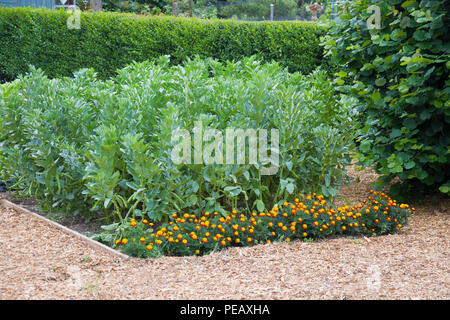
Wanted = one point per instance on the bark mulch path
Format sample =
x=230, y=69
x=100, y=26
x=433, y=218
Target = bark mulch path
x=38, y=261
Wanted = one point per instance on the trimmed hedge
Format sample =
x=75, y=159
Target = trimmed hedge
x=109, y=41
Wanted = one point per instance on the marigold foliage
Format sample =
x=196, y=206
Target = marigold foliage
x=311, y=218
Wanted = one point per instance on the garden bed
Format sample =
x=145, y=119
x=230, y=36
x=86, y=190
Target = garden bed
x=44, y=263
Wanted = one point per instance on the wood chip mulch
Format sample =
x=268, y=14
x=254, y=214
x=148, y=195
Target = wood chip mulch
x=38, y=261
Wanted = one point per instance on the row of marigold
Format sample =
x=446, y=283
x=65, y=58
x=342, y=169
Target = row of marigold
x=312, y=218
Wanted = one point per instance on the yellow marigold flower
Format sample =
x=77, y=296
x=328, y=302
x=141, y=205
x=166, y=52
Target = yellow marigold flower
x=284, y=228
x=285, y=204
x=237, y=240
x=288, y=240
x=184, y=241
x=149, y=247
x=176, y=228
x=158, y=242
x=304, y=234
x=304, y=226
x=207, y=234
x=280, y=224
x=207, y=214
x=142, y=239
x=174, y=215
x=316, y=223
x=118, y=241
x=144, y=221
x=249, y=239
x=197, y=251
x=344, y=228
x=223, y=243
x=270, y=224
x=179, y=236
x=171, y=239
x=124, y=241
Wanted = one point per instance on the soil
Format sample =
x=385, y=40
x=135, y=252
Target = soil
x=38, y=261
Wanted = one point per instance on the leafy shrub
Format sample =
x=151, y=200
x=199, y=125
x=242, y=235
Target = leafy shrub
x=312, y=218
x=400, y=71
x=77, y=142
x=109, y=41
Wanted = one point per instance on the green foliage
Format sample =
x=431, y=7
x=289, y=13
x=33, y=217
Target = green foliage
x=77, y=142
x=257, y=9
x=400, y=72
x=108, y=41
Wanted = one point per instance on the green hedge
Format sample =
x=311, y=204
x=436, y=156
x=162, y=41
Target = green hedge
x=109, y=41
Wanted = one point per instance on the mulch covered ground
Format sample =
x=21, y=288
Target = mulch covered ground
x=38, y=261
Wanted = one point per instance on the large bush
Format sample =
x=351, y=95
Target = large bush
x=80, y=142
x=398, y=66
x=109, y=41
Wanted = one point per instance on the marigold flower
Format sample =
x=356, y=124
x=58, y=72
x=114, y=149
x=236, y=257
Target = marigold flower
x=124, y=241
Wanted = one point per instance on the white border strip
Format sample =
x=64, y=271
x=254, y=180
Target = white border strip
x=92, y=243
